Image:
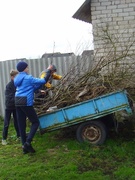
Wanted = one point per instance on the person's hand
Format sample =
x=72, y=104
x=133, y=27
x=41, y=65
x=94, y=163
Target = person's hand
x=52, y=68
x=42, y=92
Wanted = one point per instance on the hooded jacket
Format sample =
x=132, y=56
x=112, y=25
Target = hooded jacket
x=25, y=87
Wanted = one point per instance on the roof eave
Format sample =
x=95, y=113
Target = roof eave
x=84, y=12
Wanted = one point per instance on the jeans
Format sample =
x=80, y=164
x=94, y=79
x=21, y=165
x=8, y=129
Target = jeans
x=22, y=113
x=7, y=118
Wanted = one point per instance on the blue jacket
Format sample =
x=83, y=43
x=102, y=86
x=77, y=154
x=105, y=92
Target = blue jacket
x=25, y=87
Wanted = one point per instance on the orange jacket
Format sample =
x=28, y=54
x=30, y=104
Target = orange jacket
x=53, y=76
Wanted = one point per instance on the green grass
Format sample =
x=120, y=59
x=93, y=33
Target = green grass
x=60, y=157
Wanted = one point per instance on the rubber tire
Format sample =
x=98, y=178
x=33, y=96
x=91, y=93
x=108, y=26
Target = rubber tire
x=96, y=129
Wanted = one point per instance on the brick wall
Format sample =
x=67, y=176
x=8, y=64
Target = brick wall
x=117, y=18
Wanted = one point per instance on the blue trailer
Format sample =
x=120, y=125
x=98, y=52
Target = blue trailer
x=91, y=118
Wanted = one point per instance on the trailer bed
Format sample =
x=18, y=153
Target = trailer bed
x=85, y=111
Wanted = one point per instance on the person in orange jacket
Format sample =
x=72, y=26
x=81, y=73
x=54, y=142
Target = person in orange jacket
x=46, y=88
x=53, y=76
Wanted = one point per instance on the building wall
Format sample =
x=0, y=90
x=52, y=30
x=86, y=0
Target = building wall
x=118, y=18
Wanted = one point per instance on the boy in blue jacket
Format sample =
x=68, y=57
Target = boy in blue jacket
x=26, y=85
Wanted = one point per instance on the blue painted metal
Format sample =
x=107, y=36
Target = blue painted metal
x=85, y=111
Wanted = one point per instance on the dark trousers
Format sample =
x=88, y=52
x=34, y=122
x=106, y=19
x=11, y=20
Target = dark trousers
x=7, y=118
x=22, y=113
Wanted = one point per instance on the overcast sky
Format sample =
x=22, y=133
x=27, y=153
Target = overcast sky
x=30, y=28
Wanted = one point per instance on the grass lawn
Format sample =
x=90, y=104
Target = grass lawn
x=60, y=157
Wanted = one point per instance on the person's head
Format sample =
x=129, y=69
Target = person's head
x=52, y=68
x=21, y=66
x=13, y=73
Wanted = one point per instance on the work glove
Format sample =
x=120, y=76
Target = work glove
x=48, y=74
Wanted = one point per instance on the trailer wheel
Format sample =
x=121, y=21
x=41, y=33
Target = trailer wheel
x=93, y=132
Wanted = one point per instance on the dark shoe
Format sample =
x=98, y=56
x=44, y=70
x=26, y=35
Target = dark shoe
x=28, y=148
x=24, y=150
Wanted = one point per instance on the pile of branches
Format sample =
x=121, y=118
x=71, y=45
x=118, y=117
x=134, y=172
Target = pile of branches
x=91, y=84
x=112, y=72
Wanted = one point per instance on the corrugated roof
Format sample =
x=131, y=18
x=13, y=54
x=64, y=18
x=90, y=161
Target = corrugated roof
x=84, y=12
